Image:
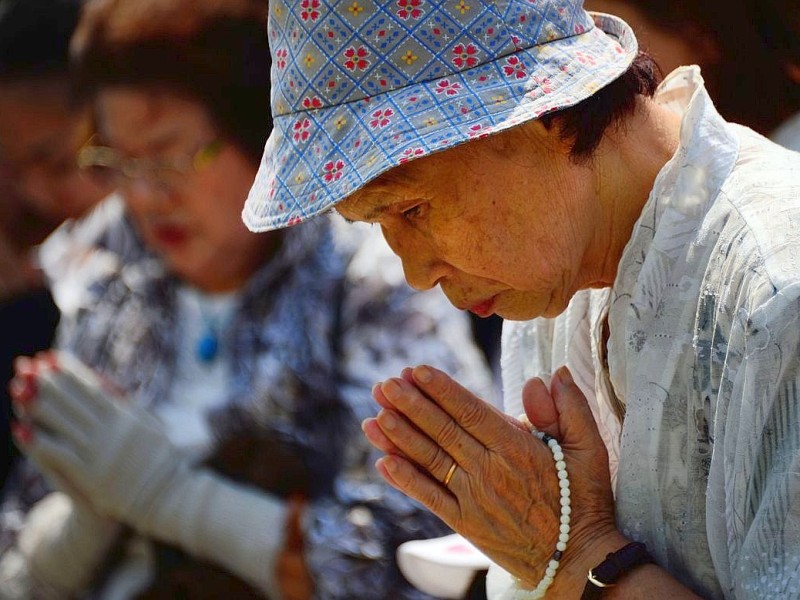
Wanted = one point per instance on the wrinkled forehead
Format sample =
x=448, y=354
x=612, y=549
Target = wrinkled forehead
x=371, y=201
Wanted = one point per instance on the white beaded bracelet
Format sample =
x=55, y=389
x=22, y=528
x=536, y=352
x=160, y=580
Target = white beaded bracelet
x=563, y=536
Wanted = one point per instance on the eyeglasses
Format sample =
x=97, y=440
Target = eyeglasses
x=114, y=168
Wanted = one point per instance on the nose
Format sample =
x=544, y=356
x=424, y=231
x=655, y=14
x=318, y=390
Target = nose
x=150, y=195
x=422, y=267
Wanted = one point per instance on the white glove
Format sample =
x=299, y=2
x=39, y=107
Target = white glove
x=117, y=455
x=64, y=543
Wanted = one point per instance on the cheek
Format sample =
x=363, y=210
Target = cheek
x=397, y=240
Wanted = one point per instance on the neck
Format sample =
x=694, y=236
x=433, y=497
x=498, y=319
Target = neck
x=627, y=164
x=236, y=276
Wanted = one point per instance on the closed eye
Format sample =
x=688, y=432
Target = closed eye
x=414, y=213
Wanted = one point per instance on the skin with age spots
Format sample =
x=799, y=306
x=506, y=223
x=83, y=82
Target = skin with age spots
x=510, y=224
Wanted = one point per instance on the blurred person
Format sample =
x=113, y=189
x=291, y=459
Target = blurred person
x=41, y=128
x=778, y=22
x=743, y=78
x=187, y=323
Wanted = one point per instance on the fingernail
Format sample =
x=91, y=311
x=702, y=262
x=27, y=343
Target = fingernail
x=375, y=389
x=387, y=421
x=388, y=463
x=423, y=374
x=564, y=377
x=22, y=433
x=364, y=425
x=391, y=388
x=22, y=390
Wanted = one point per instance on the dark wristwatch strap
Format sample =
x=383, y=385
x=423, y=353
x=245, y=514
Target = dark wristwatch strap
x=616, y=564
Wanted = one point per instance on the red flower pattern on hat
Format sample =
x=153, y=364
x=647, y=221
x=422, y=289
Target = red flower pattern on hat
x=312, y=102
x=447, y=88
x=280, y=58
x=309, y=12
x=410, y=153
x=543, y=83
x=464, y=55
x=301, y=130
x=514, y=67
x=381, y=118
x=410, y=9
x=356, y=58
x=333, y=170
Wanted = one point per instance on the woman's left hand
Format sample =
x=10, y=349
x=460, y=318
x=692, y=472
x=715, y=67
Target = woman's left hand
x=503, y=494
x=90, y=441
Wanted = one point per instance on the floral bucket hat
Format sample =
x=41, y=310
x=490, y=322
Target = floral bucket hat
x=362, y=86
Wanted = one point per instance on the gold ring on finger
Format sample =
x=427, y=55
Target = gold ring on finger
x=449, y=475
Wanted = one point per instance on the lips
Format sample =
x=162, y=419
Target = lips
x=483, y=309
x=170, y=235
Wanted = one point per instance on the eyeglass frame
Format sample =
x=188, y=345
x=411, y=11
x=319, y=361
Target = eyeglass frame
x=131, y=168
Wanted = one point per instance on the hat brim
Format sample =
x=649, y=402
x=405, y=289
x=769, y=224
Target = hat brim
x=304, y=175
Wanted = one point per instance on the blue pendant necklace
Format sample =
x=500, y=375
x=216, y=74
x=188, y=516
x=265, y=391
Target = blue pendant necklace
x=208, y=345
x=214, y=316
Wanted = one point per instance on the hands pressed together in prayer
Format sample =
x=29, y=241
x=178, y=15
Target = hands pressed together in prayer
x=115, y=464
x=504, y=493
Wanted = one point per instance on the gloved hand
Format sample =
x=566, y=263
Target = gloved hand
x=64, y=543
x=117, y=455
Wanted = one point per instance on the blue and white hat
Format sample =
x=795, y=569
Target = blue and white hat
x=361, y=86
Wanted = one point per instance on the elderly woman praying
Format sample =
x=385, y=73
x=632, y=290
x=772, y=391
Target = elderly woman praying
x=522, y=156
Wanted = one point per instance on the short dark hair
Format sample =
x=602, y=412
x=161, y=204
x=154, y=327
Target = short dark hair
x=215, y=52
x=35, y=37
x=585, y=124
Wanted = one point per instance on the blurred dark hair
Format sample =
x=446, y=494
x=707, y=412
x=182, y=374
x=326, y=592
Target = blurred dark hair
x=778, y=21
x=35, y=36
x=585, y=124
x=214, y=51
x=747, y=84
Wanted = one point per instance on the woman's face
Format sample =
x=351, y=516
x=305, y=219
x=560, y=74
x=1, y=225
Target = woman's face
x=191, y=217
x=502, y=227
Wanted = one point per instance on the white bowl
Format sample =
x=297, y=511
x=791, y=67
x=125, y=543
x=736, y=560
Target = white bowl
x=443, y=567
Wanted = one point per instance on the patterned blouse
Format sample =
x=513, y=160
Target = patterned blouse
x=313, y=330
x=703, y=358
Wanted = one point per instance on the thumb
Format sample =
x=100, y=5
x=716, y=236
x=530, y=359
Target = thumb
x=540, y=407
x=576, y=426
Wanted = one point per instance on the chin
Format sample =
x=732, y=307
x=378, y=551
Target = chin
x=526, y=311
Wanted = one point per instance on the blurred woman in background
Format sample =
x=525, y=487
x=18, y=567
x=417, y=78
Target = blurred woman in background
x=204, y=329
x=41, y=128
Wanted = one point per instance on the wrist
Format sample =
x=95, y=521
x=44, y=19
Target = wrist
x=587, y=553
x=616, y=565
